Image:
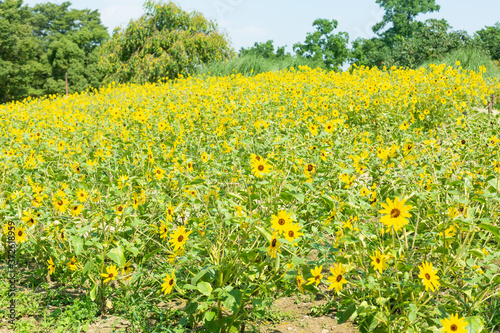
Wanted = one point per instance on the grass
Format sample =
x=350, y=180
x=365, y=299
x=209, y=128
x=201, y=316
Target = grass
x=253, y=65
x=470, y=58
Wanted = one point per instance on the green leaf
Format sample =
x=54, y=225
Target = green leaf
x=133, y=250
x=344, y=316
x=491, y=228
x=209, y=315
x=475, y=324
x=264, y=233
x=197, y=181
x=117, y=256
x=150, y=254
x=77, y=244
x=205, y=288
x=93, y=292
x=299, y=197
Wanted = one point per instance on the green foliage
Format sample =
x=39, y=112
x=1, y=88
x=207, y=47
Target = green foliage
x=163, y=43
x=22, y=69
x=265, y=50
x=324, y=45
x=253, y=65
x=470, y=58
x=402, y=14
x=490, y=37
x=39, y=45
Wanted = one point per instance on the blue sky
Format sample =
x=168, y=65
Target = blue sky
x=288, y=22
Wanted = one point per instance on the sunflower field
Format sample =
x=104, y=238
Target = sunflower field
x=379, y=189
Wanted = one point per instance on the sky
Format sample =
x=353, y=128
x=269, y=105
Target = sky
x=288, y=22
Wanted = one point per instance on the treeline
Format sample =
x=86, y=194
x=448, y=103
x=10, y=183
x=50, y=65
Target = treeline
x=43, y=46
x=400, y=41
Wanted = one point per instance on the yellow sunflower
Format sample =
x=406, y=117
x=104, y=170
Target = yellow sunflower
x=429, y=276
x=396, y=212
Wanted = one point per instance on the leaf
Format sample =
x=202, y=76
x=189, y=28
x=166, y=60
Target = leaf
x=236, y=294
x=491, y=228
x=150, y=254
x=209, y=315
x=264, y=233
x=197, y=181
x=299, y=197
x=475, y=324
x=93, y=292
x=205, y=288
x=133, y=250
x=117, y=256
x=77, y=244
x=345, y=315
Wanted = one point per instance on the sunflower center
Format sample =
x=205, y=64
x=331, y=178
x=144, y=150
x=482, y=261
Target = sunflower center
x=395, y=213
x=171, y=282
x=427, y=276
x=310, y=167
x=261, y=167
x=463, y=142
x=110, y=275
x=273, y=243
x=20, y=233
x=281, y=221
x=180, y=238
x=257, y=158
x=290, y=233
x=169, y=212
x=377, y=260
x=120, y=208
x=339, y=277
x=454, y=328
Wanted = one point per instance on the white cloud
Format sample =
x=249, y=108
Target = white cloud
x=120, y=15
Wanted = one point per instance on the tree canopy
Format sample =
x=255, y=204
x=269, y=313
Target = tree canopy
x=163, y=43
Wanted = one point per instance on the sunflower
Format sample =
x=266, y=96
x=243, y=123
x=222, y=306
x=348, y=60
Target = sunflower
x=205, y=157
x=179, y=238
x=404, y=126
x=337, y=277
x=428, y=276
x=81, y=195
x=72, y=264
x=51, y=266
x=20, y=235
x=119, y=209
x=159, y=173
x=170, y=212
x=292, y=232
x=169, y=283
x=316, y=275
x=260, y=168
x=164, y=230
x=127, y=270
x=29, y=217
x=396, y=214
x=379, y=261
x=111, y=274
x=408, y=146
x=309, y=169
x=76, y=210
x=281, y=221
x=454, y=324
x=274, y=246
x=300, y=282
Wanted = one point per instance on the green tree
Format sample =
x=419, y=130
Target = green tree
x=401, y=14
x=163, y=43
x=324, y=45
x=39, y=45
x=265, y=50
x=22, y=70
x=71, y=40
x=490, y=39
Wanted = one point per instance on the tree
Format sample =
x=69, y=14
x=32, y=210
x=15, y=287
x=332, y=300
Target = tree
x=163, y=43
x=71, y=39
x=324, y=45
x=265, y=50
x=401, y=14
x=22, y=70
x=39, y=45
x=490, y=39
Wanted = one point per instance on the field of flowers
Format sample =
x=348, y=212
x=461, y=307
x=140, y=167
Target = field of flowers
x=379, y=189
